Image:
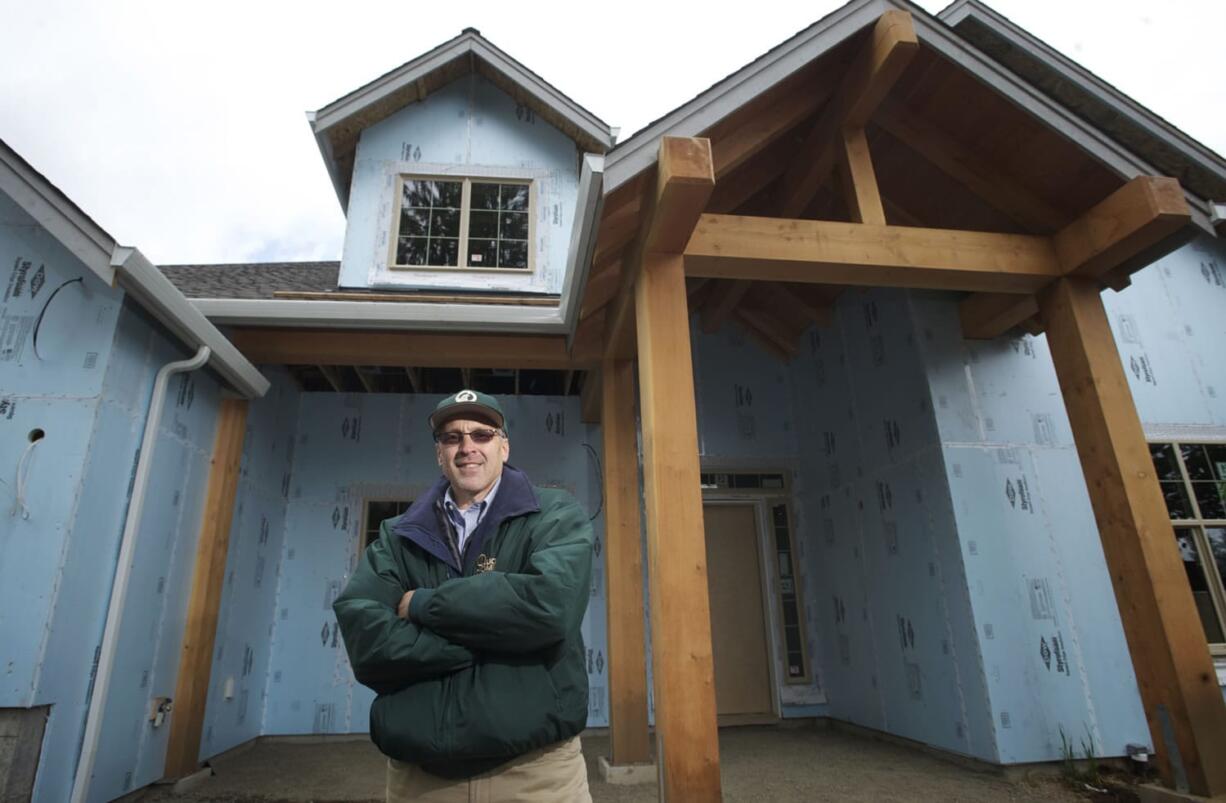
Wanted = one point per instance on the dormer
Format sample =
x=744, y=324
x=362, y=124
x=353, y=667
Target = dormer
x=460, y=171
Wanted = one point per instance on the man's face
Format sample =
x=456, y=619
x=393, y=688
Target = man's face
x=472, y=468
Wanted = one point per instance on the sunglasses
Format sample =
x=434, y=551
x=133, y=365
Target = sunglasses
x=455, y=438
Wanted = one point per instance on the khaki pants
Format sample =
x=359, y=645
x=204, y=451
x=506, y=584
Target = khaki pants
x=553, y=774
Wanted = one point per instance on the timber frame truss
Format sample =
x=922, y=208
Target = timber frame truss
x=738, y=225
x=828, y=179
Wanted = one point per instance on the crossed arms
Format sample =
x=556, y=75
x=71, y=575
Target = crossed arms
x=448, y=627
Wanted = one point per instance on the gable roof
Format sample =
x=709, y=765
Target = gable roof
x=127, y=267
x=1174, y=153
x=338, y=125
x=638, y=153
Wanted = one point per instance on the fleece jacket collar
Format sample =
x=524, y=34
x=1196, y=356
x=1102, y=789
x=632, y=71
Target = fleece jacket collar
x=424, y=523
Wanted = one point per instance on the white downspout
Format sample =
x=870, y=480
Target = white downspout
x=123, y=572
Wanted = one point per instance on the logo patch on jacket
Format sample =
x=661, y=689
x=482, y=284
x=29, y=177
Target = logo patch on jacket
x=485, y=564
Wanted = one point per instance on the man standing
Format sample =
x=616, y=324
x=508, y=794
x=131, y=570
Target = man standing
x=464, y=618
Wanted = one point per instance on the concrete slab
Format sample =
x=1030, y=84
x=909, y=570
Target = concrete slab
x=758, y=763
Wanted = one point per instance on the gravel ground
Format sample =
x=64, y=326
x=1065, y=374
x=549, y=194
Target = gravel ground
x=759, y=763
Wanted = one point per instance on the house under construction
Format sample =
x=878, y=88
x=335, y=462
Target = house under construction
x=902, y=341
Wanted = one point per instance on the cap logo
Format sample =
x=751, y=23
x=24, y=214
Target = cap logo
x=466, y=396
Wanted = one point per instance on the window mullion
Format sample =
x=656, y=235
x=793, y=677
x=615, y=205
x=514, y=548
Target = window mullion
x=466, y=194
x=1177, y=448
x=1217, y=593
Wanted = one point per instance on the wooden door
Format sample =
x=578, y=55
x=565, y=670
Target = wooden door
x=738, y=623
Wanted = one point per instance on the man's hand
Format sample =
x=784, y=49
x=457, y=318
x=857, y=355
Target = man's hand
x=402, y=610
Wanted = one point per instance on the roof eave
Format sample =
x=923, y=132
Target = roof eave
x=1085, y=80
x=468, y=43
x=639, y=152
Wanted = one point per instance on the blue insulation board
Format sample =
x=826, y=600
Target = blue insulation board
x=54, y=391
x=897, y=647
x=467, y=128
x=1052, y=645
x=132, y=752
x=243, y=645
x=746, y=422
x=364, y=446
x=1169, y=329
x=86, y=387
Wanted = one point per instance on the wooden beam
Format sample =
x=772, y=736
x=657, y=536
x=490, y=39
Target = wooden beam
x=1128, y=223
x=731, y=247
x=685, y=178
x=588, y=343
x=1130, y=220
x=683, y=671
x=757, y=131
x=742, y=184
x=628, y=735
x=719, y=305
x=695, y=287
x=620, y=220
x=979, y=175
x=208, y=576
x=817, y=300
x=277, y=346
x=589, y=398
x=1179, y=690
x=601, y=288
x=333, y=377
x=767, y=332
x=859, y=179
x=890, y=46
x=988, y=315
x=793, y=316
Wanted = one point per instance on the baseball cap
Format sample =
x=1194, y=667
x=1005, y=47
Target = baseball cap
x=467, y=403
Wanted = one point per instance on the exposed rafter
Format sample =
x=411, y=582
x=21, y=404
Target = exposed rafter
x=684, y=180
x=981, y=176
x=891, y=44
x=721, y=303
x=330, y=373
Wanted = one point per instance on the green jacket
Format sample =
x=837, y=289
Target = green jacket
x=490, y=664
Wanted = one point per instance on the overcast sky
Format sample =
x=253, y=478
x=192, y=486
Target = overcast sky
x=180, y=126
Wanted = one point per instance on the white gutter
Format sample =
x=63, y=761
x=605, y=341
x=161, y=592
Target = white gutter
x=1217, y=216
x=148, y=285
x=123, y=573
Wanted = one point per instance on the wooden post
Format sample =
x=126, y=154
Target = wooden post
x=1183, y=704
x=687, y=739
x=196, y=659
x=624, y=568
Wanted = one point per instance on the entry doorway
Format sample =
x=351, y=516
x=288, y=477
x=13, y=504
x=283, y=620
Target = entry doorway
x=743, y=685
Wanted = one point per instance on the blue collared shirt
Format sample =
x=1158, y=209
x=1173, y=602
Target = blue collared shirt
x=466, y=521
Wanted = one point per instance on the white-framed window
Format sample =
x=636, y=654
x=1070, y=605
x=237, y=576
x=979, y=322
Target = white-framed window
x=1193, y=480
x=463, y=223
